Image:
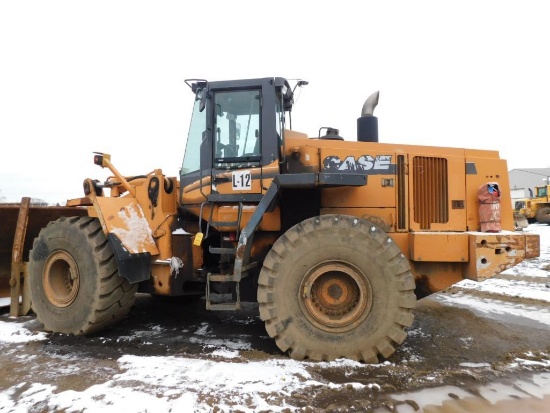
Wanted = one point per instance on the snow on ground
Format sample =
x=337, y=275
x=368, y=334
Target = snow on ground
x=15, y=333
x=540, y=266
x=513, y=288
x=497, y=308
x=538, y=387
x=164, y=384
x=499, y=294
x=168, y=384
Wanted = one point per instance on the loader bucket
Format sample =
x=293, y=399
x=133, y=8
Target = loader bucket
x=20, y=224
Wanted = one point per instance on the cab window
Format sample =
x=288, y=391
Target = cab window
x=237, y=126
x=192, y=159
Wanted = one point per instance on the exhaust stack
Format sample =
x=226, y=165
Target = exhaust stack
x=367, y=124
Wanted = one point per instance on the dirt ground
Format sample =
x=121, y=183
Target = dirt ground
x=441, y=339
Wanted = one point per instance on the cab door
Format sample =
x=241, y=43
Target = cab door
x=236, y=140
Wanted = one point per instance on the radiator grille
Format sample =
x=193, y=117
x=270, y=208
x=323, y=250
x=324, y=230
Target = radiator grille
x=431, y=195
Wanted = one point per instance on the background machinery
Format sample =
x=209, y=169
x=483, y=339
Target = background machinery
x=535, y=208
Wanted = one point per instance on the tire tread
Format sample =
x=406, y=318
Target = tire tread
x=379, y=243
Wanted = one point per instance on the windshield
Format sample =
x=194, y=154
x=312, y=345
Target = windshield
x=192, y=159
x=236, y=125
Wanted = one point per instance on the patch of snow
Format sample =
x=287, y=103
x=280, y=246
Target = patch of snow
x=181, y=231
x=474, y=365
x=538, y=386
x=227, y=354
x=17, y=333
x=221, y=343
x=513, y=288
x=495, y=307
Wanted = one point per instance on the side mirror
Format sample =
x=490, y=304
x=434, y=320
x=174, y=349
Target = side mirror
x=202, y=96
x=198, y=86
x=288, y=100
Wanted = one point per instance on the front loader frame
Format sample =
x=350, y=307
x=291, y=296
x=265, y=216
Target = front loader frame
x=20, y=303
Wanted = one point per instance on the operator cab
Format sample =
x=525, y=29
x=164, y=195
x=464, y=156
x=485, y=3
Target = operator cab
x=235, y=126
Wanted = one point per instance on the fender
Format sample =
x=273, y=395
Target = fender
x=129, y=234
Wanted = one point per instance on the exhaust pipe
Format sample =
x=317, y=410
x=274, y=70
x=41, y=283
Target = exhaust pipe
x=367, y=124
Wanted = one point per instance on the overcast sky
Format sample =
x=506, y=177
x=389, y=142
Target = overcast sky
x=108, y=76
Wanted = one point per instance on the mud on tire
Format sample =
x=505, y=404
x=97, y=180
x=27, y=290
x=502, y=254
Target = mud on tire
x=75, y=285
x=336, y=286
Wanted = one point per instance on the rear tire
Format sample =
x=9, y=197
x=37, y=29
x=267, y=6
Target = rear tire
x=336, y=286
x=543, y=215
x=74, y=280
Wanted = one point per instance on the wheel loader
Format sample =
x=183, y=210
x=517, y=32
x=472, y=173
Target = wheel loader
x=535, y=208
x=335, y=239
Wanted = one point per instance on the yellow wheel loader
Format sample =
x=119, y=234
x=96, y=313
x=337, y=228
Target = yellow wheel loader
x=334, y=238
x=536, y=208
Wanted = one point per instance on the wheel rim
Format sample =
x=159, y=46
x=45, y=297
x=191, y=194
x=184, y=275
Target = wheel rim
x=336, y=297
x=61, y=279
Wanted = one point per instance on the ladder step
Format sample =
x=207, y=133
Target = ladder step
x=224, y=306
x=222, y=250
x=221, y=277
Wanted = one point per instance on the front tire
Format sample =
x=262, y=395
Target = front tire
x=336, y=286
x=74, y=280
